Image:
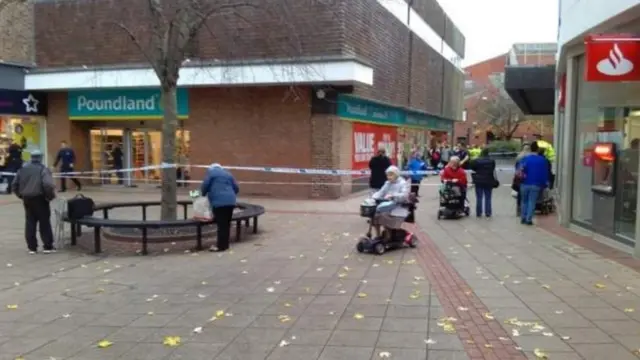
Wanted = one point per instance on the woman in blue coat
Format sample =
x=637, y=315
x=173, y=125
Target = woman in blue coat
x=220, y=187
x=416, y=164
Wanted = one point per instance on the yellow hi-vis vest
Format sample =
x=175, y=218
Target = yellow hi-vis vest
x=549, y=152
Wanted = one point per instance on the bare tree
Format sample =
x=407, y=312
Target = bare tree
x=174, y=26
x=501, y=114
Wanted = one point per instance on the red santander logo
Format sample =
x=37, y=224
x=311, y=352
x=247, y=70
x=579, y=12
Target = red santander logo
x=612, y=58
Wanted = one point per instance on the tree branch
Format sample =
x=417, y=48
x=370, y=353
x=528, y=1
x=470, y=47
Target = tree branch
x=137, y=43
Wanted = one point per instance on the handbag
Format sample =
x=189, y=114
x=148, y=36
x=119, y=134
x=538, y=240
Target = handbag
x=79, y=206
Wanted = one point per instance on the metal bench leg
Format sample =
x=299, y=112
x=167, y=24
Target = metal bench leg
x=238, y=229
x=74, y=234
x=199, y=237
x=145, y=251
x=79, y=229
x=247, y=223
x=184, y=211
x=255, y=225
x=97, y=246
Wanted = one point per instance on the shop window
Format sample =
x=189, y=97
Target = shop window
x=606, y=112
x=23, y=130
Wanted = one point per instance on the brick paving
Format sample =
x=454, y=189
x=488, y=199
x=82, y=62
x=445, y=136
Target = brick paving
x=474, y=289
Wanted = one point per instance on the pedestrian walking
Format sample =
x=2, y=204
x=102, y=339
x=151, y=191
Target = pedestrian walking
x=13, y=162
x=220, y=187
x=515, y=185
x=434, y=157
x=485, y=180
x=118, y=164
x=416, y=165
x=378, y=166
x=445, y=155
x=534, y=170
x=35, y=186
x=66, y=158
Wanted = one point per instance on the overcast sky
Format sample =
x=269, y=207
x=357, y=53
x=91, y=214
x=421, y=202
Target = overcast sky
x=492, y=26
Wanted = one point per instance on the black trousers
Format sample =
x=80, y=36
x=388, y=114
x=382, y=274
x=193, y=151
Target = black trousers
x=415, y=187
x=63, y=179
x=222, y=215
x=38, y=215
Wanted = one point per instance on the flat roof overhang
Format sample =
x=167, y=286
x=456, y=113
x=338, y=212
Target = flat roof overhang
x=532, y=88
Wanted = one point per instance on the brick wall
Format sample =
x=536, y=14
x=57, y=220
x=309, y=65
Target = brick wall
x=16, y=33
x=76, y=33
x=268, y=126
x=83, y=33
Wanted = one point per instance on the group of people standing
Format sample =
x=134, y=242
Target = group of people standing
x=533, y=173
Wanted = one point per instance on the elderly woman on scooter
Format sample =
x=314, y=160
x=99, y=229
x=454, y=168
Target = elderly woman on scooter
x=394, y=193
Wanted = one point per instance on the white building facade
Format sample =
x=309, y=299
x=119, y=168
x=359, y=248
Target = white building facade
x=598, y=108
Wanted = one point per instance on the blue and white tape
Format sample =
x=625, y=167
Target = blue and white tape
x=267, y=169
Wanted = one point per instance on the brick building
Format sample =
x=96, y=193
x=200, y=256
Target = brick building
x=304, y=84
x=484, y=83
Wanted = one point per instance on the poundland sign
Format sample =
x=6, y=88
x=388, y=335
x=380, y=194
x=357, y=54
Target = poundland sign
x=122, y=104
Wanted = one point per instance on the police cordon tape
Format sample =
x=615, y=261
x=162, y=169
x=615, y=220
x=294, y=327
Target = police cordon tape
x=268, y=169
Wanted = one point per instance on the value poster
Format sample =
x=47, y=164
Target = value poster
x=367, y=138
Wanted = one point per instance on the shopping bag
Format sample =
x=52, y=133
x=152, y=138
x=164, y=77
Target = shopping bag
x=79, y=206
x=202, y=209
x=4, y=187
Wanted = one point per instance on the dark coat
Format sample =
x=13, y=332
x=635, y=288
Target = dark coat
x=483, y=171
x=378, y=166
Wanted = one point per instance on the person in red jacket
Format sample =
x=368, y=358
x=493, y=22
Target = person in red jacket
x=454, y=172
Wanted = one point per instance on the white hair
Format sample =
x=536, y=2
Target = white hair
x=382, y=147
x=454, y=159
x=393, y=170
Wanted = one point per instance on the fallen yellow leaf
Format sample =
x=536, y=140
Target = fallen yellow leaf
x=546, y=287
x=629, y=310
x=540, y=354
x=104, y=344
x=449, y=328
x=287, y=305
x=599, y=286
x=488, y=346
x=358, y=316
x=171, y=341
x=488, y=316
x=342, y=275
x=12, y=307
x=362, y=295
x=284, y=318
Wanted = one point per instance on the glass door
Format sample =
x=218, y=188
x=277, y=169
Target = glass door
x=103, y=142
x=146, y=150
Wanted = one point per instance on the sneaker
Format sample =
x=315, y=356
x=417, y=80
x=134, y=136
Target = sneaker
x=49, y=251
x=32, y=252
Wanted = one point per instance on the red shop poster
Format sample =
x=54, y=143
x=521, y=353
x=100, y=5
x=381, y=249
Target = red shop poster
x=587, y=157
x=366, y=140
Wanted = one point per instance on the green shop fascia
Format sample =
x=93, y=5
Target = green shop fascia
x=352, y=108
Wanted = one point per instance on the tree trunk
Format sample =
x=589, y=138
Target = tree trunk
x=169, y=199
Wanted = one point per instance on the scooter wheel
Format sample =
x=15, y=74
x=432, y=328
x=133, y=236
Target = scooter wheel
x=467, y=211
x=360, y=247
x=379, y=248
x=439, y=214
x=413, y=242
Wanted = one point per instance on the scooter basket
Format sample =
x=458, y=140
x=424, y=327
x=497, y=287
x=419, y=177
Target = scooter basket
x=367, y=210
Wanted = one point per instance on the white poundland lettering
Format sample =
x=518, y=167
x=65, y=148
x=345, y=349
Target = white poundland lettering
x=120, y=103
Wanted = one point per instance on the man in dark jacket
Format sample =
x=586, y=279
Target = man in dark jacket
x=378, y=166
x=117, y=155
x=35, y=186
x=67, y=158
x=14, y=162
x=484, y=179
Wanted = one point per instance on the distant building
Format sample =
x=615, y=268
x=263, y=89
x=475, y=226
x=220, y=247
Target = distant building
x=484, y=86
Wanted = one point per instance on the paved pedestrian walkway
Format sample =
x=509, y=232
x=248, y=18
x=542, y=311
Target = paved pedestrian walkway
x=474, y=289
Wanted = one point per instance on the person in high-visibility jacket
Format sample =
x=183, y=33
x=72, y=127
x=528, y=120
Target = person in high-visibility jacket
x=549, y=151
x=474, y=152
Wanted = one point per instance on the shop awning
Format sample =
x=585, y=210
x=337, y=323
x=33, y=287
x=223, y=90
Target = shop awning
x=532, y=88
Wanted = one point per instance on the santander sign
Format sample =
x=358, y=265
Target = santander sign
x=615, y=64
x=612, y=58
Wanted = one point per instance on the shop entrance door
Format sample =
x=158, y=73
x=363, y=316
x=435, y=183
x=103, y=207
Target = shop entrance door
x=103, y=142
x=146, y=150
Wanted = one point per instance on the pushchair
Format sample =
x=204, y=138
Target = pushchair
x=392, y=237
x=545, y=204
x=453, y=201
